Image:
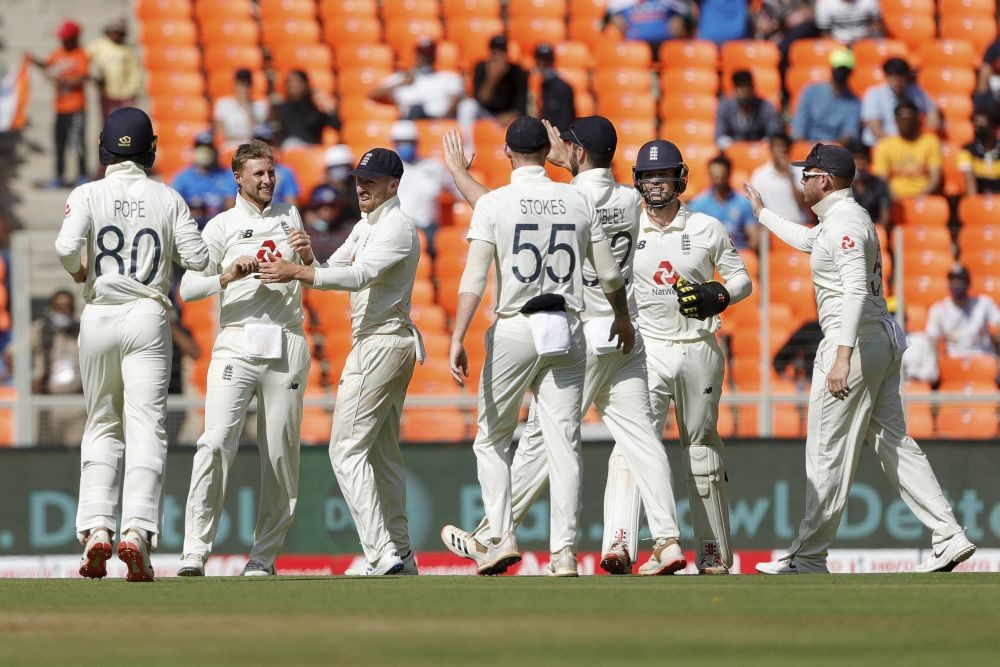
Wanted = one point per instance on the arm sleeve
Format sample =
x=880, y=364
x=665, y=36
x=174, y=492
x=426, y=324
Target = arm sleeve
x=482, y=227
x=387, y=246
x=603, y=258
x=202, y=284
x=75, y=228
x=853, y=270
x=189, y=248
x=798, y=236
x=476, y=268
x=730, y=265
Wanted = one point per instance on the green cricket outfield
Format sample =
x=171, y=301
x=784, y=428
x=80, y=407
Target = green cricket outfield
x=737, y=621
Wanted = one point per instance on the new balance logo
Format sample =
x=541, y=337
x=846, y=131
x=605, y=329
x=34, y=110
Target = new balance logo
x=708, y=390
x=227, y=372
x=294, y=385
x=246, y=233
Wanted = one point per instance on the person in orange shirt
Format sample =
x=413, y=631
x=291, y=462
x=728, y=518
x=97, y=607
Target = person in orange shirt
x=67, y=67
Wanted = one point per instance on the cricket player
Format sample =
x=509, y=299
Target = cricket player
x=855, y=391
x=377, y=265
x=260, y=352
x=538, y=233
x=132, y=228
x=614, y=382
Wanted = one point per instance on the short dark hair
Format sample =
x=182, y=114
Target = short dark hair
x=62, y=292
x=989, y=114
x=782, y=137
x=896, y=66
x=600, y=160
x=742, y=77
x=907, y=105
x=723, y=160
x=253, y=150
x=858, y=148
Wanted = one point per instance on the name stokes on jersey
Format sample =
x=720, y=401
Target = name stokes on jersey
x=543, y=207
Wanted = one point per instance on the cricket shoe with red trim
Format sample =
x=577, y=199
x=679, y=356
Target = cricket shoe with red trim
x=133, y=550
x=617, y=559
x=96, y=553
x=667, y=558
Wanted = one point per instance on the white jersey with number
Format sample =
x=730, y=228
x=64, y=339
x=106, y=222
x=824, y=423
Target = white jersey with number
x=693, y=245
x=846, y=263
x=245, y=230
x=132, y=227
x=618, y=210
x=542, y=231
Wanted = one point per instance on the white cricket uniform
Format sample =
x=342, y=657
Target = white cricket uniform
x=614, y=382
x=132, y=228
x=684, y=360
x=541, y=232
x=847, y=274
x=377, y=265
x=260, y=352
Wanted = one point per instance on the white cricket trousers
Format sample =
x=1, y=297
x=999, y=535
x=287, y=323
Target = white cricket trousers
x=513, y=367
x=233, y=381
x=617, y=385
x=873, y=414
x=364, y=444
x=125, y=353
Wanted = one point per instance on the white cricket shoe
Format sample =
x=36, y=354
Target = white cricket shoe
x=409, y=564
x=563, y=563
x=390, y=563
x=192, y=565
x=96, y=553
x=254, y=568
x=788, y=565
x=617, y=559
x=666, y=558
x=490, y=559
x=946, y=556
x=133, y=550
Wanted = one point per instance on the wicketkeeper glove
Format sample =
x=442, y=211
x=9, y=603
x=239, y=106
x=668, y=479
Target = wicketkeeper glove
x=701, y=300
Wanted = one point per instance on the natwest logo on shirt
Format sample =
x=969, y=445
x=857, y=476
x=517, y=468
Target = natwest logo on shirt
x=665, y=274
x=268, y=246
x=846, y=243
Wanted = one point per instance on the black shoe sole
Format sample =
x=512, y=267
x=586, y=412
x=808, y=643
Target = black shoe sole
x=500, y=566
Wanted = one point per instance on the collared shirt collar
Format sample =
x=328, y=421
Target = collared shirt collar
x=390, y=204
x=676, y=225
x=245, y=206
x=602, y=176
x=825, y=205
x=528, y=174
x=127, y=169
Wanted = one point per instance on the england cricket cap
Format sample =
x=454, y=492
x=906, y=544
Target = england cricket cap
x=658, y=154
x=127, y=131
x=594, y=133
x=526, y=135
x=378, y=162
x=834, y=160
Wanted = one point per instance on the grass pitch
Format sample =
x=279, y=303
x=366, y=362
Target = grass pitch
x=700, y=621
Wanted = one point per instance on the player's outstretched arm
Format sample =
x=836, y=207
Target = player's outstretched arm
x=798, y=236
x=470, y=293
x=458, y=165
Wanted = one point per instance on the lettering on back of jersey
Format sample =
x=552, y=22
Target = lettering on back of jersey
x=130, y=209
x=543, y=207
x=610, y=216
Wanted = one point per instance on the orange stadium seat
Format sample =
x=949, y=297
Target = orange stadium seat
x=969, y=27
x=473, y=36
x=307, y=164
x=953, y=80
x=359, y=55
x=949, y=53
x=334, y=11
x=430, y=318
x=967, y=421
x=766, y=83
x=213, y=10
x=366, y=133
x=749, y=54
x=171, y=159
x=302, y=56
x=555, y=9
x=631, y=54
x=924, y=289
x=396, y=10
x=358, y=109
x=279, y=10
x=985, y=9
x=953, y=105
x=799, y=77
x=460, y=9
x=988, y=285
x=919, y=422
x=591, y=30
x=748, y=155
x=930, y=210
x=918, y=236
x=592, y=8
x=166, y=83
x=984, y=261
x=163, y=10
x=447, y=57
x=192, y=108
x=358, y=82
x=402, y=34
x=681, y=104
x=171, y=57
x=864, y=77
x=230, y=31
x=434, y=424
x=873, y=51
x=528, y=31
x=975, y=237
x=430, y=134
x=232, y=57
x=979, y=210
x=573, y=55
x=953, y=182
x=977, y=369
x=689, y=131
x=221, y=83
x=959, y=131
x=280, y=32
x=321, y=80
x=909, y=6
x=627, y=105
x=488, y=133
x=364, y=30
x=175, y=32
x=179, y=132
x=690, y=80
x=812, y=52
x=634, y=130
x=618, y=80
x=911, y=28
x=933, y=263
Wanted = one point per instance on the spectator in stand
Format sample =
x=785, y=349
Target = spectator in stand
x=828, y=110
x=424, y=180
x=67, y=67
x=55, y=363
x=328, y=219
x=338, y=161
x=987, y=94
x=205, y=182
x=869, y=190
x=723, y=20
x=783, y=22
x=499, y=88
x=723, y=203
x=979, y=161
x=847, y=21
x=236, y=116
x=779, y=182
x=878, y=106
x=117, y=68
x=744, y=116
x=300, y=119
x=964, y=322
x=422, y=92
x=653, y=21
x=556, y=103
x=286, y=185
x=911, y=161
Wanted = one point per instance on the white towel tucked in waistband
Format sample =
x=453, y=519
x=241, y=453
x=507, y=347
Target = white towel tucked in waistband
x=262, y=341
x=418, y=344
x=597, y=331
x=550, y=331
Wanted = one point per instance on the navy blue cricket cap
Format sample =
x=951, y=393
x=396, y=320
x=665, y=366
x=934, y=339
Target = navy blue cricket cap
x=127, y=131
x=526, y=135
x=834, y=160
x=594, y=133
x=378, y=162
x=658, y=154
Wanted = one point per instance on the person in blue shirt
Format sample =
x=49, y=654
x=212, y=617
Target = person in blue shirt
x=829, y=111
x=205, y=182
x=722, y=202
x=723, y=20
x=878, y=105
x=654, y=22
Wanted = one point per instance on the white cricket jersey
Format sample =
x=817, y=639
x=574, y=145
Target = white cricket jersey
x=245, y=230
x=966, y=331
x=132, y=227
x=378, y=265
x=541, y=231
x=846, y=263
x=693, y=245
x=618, y=211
